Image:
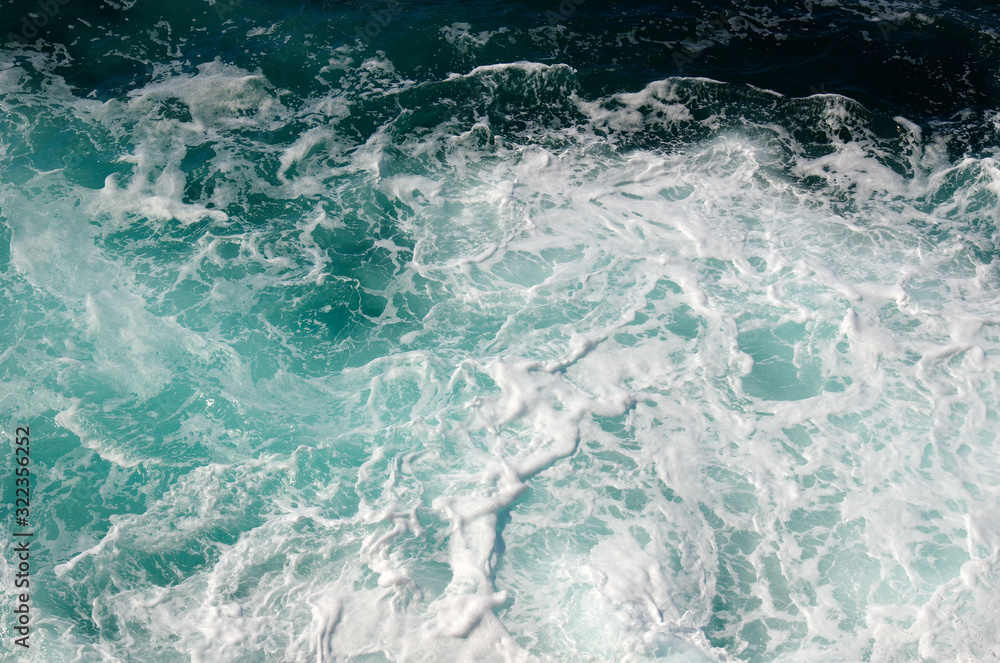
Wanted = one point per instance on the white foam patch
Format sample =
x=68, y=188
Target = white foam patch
x=218, y=97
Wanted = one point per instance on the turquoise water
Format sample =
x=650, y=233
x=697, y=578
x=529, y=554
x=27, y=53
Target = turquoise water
x=370, y=333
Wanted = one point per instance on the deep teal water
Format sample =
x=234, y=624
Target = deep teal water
x=502, y=332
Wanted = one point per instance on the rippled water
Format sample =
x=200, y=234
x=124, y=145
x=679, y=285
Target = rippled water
x=357, y=332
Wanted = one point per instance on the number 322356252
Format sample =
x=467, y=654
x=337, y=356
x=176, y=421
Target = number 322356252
x=22, y=452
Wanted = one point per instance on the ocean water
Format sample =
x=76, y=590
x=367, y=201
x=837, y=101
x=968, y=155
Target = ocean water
x=410, y=332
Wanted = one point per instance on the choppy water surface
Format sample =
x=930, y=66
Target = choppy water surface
x=385, y=333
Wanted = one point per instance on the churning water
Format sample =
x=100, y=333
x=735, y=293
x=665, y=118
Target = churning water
x=501, y=332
